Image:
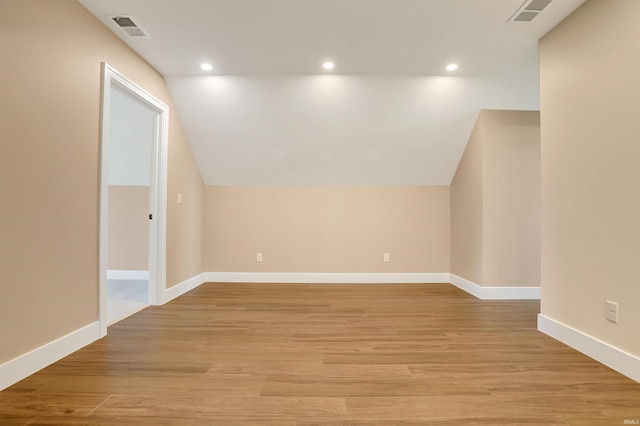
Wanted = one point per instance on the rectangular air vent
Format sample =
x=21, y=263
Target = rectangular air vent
x=537, y=5
x=128, y=25
x=525, y=16
x=529, y=10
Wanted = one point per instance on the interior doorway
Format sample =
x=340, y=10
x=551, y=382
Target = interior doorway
x=132, y=199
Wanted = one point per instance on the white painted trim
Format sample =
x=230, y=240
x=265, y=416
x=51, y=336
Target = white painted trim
x=326, y=278
x=183, y=287
x=19, y=368
x=495, y=293
x=158, y=200
x=126, y=274
x=465, y=285
x=612, y=357
x=487, y=293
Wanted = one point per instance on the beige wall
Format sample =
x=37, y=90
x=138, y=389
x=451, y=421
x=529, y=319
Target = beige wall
x=326, y=229
x=511, y=198
x=49, y=124
x=466, y=210
x=185, y=229
x=128, y=227
x=495, y=202
x=590, y=176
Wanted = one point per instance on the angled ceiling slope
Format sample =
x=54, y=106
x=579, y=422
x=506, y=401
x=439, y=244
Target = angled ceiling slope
x=388, y=113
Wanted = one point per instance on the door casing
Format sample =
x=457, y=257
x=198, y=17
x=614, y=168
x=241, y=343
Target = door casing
x=158, y=190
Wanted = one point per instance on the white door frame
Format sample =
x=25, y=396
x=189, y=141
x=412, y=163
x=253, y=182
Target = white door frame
x=158, y=198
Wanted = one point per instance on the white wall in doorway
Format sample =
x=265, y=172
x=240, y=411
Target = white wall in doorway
x=131, y=138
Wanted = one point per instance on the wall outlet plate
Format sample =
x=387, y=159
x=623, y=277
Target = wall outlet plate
x=612, y=311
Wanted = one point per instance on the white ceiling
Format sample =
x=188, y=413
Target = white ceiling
x=266, y=114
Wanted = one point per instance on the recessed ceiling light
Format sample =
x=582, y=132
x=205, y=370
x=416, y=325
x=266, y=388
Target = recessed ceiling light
x=206, y=67
x=452, y=67
x=328, y=65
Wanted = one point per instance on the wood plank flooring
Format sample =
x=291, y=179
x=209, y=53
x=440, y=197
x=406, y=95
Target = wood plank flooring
x=298, y=354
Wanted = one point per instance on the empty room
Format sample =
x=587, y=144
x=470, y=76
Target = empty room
x=319, y=212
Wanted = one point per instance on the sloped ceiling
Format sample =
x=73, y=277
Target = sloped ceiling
x=388, y=113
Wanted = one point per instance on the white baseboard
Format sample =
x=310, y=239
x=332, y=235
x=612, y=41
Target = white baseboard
x=494, y=293
x=612, y=357
x=325, y=278
x=124, y=274
x=375, y=278
x=183, y=287
x=25, y=365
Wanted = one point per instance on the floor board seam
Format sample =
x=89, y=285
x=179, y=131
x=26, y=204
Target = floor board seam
x=99, y=405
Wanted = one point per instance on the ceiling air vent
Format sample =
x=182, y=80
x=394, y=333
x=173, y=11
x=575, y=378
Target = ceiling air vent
x=127, y=25
x=529, y=10
x=525, y=16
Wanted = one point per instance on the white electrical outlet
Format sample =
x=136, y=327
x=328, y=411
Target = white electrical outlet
x=612, y=311
x=258, y=257
x=386, y=258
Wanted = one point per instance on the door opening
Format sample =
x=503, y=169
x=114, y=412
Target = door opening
x=132, y=199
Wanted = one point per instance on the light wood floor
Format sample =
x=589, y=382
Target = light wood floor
x=265, y=354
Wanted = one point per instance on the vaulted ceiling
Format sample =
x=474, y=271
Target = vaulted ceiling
x=388, y=113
